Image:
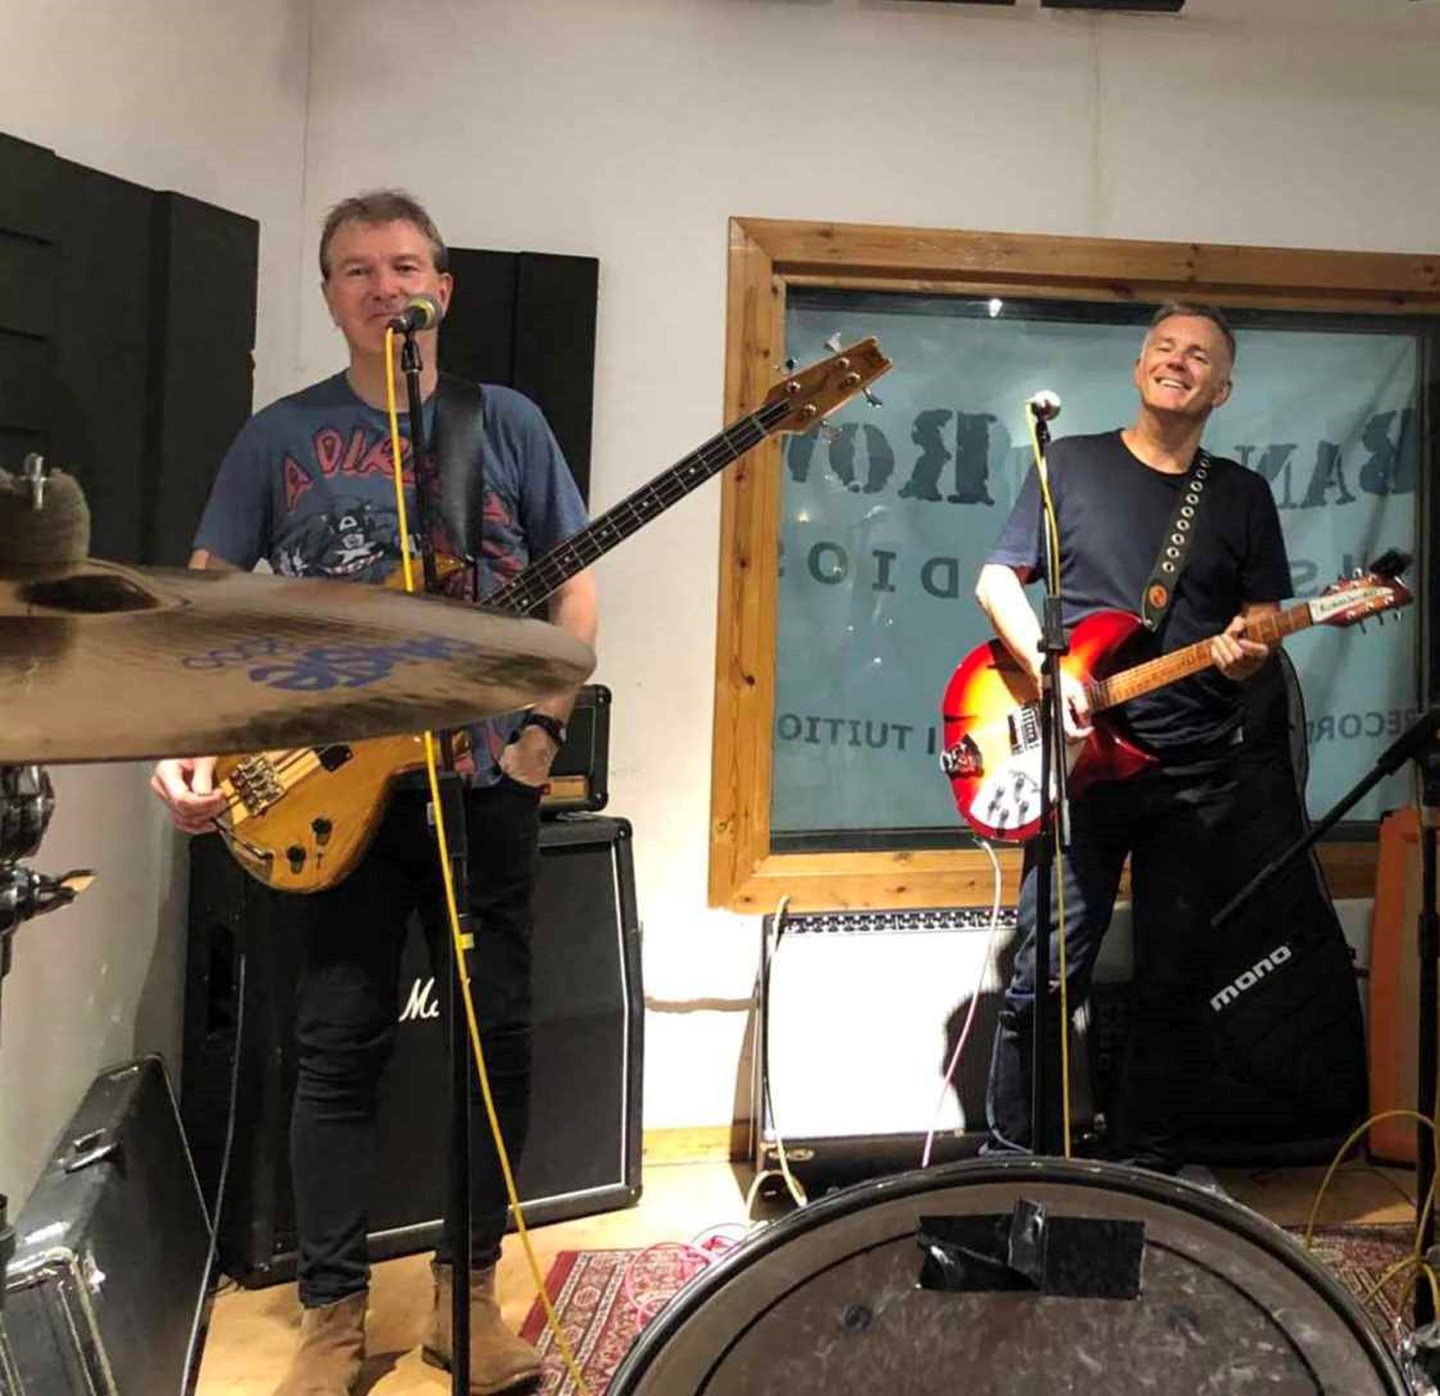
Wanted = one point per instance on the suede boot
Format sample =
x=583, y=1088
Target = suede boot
x=500, y=1361
x=332, y=1347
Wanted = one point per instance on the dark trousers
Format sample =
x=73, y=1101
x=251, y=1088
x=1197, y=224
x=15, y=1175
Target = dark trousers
x=1180, y=825
x=347, y=1011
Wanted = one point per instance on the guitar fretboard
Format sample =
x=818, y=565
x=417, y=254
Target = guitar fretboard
x=1156, y=673
x=616, y=524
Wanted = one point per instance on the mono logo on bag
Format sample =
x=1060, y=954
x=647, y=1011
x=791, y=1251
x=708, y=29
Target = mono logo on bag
x=1252, y=976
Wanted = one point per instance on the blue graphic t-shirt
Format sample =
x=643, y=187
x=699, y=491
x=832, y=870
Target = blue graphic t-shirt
x=308, y=484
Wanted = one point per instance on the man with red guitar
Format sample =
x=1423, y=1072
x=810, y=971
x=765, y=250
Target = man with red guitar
x=1122, y=500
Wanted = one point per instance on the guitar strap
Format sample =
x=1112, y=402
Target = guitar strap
x=459, y=493
x=1175, y=550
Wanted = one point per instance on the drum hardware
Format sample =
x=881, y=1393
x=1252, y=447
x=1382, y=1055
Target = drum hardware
x=831, y=1299
x=27, y=801
x=1027, y=1249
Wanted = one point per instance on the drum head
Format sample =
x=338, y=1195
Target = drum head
x=828, y=1301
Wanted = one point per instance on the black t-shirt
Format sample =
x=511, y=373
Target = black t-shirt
x=1113, y=512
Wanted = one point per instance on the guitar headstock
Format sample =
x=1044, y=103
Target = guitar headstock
x=811, y=394
x=1370, y=593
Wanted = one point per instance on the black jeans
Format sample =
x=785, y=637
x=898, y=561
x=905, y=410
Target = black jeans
x=347, y=1011
x=1183, y=827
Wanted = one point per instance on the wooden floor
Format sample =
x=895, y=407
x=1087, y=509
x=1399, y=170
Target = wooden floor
x=252, y=1332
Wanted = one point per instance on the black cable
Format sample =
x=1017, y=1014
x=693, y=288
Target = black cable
x=191, y=1371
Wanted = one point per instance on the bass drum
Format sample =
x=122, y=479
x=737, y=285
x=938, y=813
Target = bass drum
x=827, y=1301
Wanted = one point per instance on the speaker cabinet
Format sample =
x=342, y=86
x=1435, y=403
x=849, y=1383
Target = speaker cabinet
x=860, y=1014
x=583, y=1154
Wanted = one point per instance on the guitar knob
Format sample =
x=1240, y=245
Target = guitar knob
x=322, y=829
x=296, y=856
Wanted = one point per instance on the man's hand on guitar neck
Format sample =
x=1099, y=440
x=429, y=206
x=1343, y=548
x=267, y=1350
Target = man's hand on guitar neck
x=1235, y=656
x=187, y=786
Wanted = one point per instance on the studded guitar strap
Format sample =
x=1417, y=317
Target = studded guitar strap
x=1175, y=550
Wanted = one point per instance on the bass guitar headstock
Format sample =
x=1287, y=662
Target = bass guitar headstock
x=809, y=395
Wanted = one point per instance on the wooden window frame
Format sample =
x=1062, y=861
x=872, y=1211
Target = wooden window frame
x=766, y=258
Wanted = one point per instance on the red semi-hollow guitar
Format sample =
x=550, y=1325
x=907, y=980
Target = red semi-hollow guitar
x=991, y=712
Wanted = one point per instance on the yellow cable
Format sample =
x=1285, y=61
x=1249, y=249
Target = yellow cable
x=1345, y=1149
x=1052, y=529
x=456, y=936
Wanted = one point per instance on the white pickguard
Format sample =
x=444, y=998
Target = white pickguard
x=1008, y=796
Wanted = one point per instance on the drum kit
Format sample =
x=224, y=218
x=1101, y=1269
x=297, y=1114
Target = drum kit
x=991, y=1276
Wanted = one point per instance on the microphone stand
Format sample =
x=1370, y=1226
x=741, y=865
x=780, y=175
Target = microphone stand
x=462, y=1056
x=27, y=800
x=1418, y=743
x=1046, y=1132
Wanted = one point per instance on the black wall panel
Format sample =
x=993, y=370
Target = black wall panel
x=102, y=346
x=554, y=359
x=126, y=323
x=27, y=302
x=527, y=320
x=202, y=373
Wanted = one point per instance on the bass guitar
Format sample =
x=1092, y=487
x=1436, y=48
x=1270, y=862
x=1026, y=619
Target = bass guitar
x=300, y=820
x=991, y=709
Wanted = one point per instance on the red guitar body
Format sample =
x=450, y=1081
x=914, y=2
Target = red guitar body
x=991, y=720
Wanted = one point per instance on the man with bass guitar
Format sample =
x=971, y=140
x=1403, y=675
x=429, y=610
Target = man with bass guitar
x=308, y=485
x=1123, y=499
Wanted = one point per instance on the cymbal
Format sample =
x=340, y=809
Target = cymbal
x=102, y=662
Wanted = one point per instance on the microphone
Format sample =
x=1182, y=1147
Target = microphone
x=1044, y=404
x=420, y=313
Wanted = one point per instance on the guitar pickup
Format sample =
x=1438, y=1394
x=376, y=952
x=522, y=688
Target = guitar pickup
x=333, y=757
x=1024, y=724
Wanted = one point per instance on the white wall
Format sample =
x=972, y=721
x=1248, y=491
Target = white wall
x=206, y=98
x=632, y=129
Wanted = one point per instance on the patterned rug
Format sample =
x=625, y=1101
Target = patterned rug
x=605, y=1298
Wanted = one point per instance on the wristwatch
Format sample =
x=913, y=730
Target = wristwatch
x=551, y=725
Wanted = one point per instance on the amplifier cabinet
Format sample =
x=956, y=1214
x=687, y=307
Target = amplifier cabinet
x=583, y=1154
x=860, y=1013
x=112, y=1244
x=580, y=774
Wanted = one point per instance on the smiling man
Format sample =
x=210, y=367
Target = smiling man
x=1122, y=498
x=308, y=485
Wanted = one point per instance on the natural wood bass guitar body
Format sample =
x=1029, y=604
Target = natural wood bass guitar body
x=299, y=833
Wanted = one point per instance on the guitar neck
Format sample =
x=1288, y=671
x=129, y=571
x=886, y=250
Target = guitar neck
x=1144, y=678
x=548, y=573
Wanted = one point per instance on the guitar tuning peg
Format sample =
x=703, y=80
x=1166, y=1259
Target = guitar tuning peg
x=788, y=366
x=833, y=343
x=871, y=398
x=826, y=433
